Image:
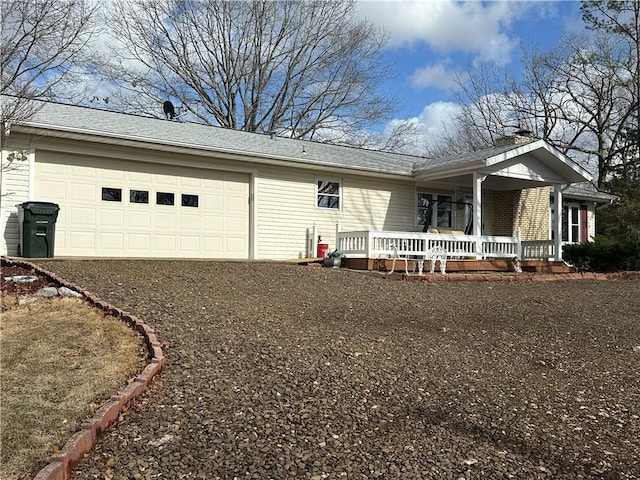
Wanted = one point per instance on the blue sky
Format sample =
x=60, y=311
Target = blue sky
x=431, y=40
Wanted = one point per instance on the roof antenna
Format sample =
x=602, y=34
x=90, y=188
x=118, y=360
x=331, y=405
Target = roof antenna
x=169, y=110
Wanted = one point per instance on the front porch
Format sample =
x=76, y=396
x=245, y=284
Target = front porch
x=375, y=250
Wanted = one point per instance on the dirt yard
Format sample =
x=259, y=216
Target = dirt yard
x=280, y=371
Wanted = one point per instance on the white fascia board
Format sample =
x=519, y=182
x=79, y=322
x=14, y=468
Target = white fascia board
x=538, y=145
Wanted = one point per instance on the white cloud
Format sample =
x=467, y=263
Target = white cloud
x=447, y=25
x=435, y=75
x=429, y=126
x=436, y=117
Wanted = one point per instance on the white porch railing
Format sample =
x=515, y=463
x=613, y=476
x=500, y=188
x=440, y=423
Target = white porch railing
x=539, y=249
x=376, y=244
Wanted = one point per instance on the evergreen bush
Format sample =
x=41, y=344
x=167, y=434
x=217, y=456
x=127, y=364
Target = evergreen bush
x=604, y=255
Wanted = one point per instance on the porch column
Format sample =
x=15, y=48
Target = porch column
x=557, y=203
x=477, y=203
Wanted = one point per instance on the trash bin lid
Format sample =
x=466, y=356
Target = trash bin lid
x=40, y=208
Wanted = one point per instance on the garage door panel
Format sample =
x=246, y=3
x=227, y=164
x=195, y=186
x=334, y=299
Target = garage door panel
x=165, y=221
x=164, y=243
x=213, y=185
x=218, y=227
x=213, y=202
x=139, y=219
x=79, y=240
x=78, y=216
x=139, y=242
x=111, y=241
x=234, y=225
x=53, y=190
x=236, y=204
x=166, y=180
x=140, y=178
x=235, y=245
x=110, y=217
x=83, y=192
x=112, y=175
x=189, y=223
x=190, y=182
x=190, y=243
x=81, y=171
x=214, y=244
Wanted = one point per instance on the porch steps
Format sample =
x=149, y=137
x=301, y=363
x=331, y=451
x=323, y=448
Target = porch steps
x=496, y=265
x=546, y=266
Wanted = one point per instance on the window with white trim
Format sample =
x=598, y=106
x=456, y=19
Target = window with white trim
x=571, y=221
x=434, y=210
x=328, y=193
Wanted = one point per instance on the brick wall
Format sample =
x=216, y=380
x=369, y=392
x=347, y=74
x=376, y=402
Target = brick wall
x=531, y=213
x=504, y=204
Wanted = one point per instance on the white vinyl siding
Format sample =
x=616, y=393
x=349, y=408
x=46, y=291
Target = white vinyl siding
x=287, y=208
x=15, y=190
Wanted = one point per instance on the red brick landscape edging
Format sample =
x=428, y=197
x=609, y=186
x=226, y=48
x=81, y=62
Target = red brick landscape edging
x=81, y=442
x=521, y=277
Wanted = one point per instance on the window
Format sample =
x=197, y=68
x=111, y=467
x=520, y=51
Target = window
x=572, y=222
x=435, y=210
x=189, y=200
x=111, y=194
x=328, y=194
x=164, y=198
x=138, y=196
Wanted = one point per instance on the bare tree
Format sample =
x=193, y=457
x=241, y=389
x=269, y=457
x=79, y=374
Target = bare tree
x=621, y=18
x=489, y=106
x=581, y=97
x=42, y=45
x=299, y=68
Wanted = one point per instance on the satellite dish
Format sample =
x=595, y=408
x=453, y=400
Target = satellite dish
x=169, y=110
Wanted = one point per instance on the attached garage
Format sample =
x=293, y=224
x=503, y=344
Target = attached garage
x=122, y=208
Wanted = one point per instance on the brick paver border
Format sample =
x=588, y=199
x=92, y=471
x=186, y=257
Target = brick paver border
x=81, y=442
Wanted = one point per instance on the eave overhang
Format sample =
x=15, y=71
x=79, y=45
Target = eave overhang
x=536, y=162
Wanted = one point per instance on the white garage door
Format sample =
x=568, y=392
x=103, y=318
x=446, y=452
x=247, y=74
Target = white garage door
x=133, y=209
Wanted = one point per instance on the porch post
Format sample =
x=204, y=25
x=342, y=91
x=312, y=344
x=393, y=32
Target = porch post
x=557, y=202
x=477, y=210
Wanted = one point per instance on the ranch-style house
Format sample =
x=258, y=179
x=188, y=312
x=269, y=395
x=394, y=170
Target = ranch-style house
x=140, y=187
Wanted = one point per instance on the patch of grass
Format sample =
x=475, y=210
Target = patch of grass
x=59, y=359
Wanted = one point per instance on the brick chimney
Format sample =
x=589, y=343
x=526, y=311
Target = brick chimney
x=519, y=136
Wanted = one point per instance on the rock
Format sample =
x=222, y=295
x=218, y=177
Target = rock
x=25, y=301
x=47, y=292
x=21, y=278
x=67, y=292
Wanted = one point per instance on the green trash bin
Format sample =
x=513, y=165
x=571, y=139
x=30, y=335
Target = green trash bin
x=37, y=229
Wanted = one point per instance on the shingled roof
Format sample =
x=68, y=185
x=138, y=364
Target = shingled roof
x=67, y=121
x=106, y=125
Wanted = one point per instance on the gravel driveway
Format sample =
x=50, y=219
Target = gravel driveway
x=279, y=371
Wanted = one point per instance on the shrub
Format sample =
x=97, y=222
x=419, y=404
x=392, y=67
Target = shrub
x=604, y=255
